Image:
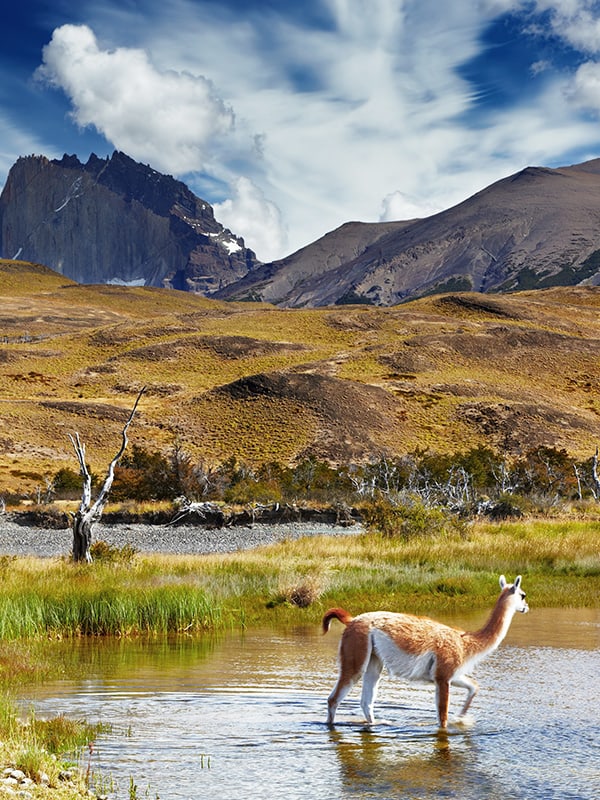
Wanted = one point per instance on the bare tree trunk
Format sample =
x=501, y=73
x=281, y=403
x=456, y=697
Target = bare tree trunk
x=595, y=477
x=82, y=538
x=87, y=514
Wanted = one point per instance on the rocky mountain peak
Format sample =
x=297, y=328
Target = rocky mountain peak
x=114, y=220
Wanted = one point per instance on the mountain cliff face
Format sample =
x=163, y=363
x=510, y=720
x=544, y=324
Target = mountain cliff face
x=535, y=229
x=116, y=221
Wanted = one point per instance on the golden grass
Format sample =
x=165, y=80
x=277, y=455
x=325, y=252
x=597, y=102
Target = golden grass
x=22, y=278
x=97, y=345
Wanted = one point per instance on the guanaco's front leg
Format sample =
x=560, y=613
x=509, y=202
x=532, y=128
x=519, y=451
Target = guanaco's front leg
x=471, y=686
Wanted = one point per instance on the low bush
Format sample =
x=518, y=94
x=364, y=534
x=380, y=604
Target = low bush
x=407, y=517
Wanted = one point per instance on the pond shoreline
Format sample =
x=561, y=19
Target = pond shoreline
x=17, y=539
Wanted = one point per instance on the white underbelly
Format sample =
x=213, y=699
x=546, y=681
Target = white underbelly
x=401, y=664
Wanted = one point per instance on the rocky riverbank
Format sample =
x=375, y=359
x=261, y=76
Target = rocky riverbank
x=20, y=539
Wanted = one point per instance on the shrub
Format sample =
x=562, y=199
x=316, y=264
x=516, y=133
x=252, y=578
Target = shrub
x=408, y=517
x=145, y=476
x=301, y=592
x=110, y=554
x=67, y=483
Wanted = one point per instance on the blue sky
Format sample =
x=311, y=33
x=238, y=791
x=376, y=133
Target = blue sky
x=292, y=118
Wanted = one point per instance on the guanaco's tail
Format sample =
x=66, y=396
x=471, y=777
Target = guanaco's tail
x=336, y=613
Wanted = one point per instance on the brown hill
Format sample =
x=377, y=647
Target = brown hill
x=535, y=229
x=262, y=383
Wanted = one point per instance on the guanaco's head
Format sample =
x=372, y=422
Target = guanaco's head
x=515, y=594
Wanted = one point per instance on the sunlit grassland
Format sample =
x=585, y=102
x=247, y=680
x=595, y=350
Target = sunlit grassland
x=96, y=346
x=39, y=278
x=303, y=326
x=58, y=599
x=198, y=369
x=560, y=564
x=426, y=429
x=146, y=301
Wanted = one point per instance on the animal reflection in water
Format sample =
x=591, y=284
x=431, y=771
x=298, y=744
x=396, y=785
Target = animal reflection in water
x=417, y=649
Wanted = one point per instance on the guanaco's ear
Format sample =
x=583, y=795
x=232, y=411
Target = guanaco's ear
x=517, y=581
x=502, y=581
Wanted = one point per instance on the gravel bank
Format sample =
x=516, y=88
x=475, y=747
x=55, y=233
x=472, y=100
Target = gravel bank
x=20, y=540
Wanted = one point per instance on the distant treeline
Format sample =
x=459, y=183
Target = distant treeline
x=477, y=480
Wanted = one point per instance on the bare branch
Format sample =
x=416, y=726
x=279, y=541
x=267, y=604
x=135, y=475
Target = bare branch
x=102, y=499
x=85, y=517
x=86, y=495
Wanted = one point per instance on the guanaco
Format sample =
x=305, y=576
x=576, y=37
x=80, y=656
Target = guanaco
x=417, y=649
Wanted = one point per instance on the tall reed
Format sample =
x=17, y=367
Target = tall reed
x=60, y=599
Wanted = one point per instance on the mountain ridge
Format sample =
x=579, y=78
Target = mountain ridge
x=115, y=220
x=524, y=231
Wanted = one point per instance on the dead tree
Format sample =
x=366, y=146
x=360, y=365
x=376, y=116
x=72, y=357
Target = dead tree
x=595, y=478
x=89, y=514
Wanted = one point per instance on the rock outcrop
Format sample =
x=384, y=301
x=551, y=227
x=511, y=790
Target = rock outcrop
x=116, y=221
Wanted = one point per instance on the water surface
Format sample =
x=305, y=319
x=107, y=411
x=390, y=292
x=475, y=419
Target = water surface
x=243, y=716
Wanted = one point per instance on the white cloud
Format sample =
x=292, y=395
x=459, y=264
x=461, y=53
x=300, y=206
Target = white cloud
x=541, y=66
x=398, y=205
x=584, y=89
x=250, y=215
x=168, y=118
x=575, y=21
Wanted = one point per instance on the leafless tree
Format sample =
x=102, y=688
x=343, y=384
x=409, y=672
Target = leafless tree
x=89, y=513
x=595, y=477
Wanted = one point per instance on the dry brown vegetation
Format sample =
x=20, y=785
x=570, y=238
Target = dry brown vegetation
x=342, y=383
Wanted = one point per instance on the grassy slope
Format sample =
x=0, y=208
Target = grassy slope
x=512, y=371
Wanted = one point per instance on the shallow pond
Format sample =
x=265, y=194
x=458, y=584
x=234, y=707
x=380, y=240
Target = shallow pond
x=243, y=716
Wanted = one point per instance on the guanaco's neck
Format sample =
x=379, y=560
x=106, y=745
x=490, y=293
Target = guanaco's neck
x=493, y=631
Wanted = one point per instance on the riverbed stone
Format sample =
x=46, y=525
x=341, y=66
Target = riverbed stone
x=17, y=540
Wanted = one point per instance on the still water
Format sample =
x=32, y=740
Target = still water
x=242, y=717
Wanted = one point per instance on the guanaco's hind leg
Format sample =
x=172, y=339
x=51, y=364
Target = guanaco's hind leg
x=355, y=653
x=340, y=691
x=471, y=686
